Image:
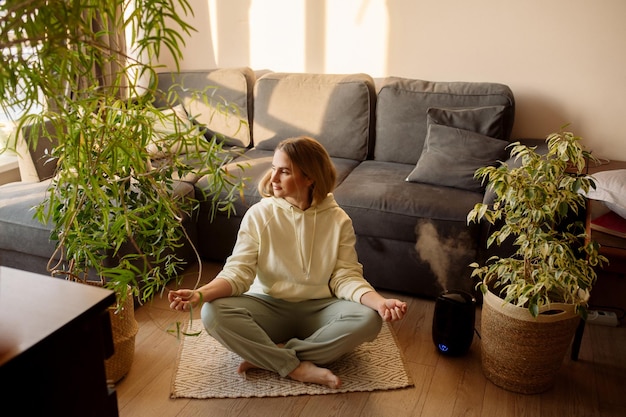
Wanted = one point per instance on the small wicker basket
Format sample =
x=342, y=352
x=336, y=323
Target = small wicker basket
x=124, y=327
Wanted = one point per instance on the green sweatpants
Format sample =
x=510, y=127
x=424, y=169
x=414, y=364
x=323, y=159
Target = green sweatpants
x=319, y=331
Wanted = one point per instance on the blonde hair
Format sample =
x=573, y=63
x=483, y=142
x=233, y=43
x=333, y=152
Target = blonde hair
x=313, y=161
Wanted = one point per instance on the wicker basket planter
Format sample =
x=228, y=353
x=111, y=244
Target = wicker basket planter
x=521, y=353
x=124, y=327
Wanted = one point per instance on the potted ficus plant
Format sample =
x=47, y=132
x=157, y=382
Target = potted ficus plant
x=116, y=205
x=534, y=298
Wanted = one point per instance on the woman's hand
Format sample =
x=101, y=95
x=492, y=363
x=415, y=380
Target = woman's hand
x=184, y=299
x=390, y=309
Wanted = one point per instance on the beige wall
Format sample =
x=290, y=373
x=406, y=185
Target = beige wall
x=565, y=60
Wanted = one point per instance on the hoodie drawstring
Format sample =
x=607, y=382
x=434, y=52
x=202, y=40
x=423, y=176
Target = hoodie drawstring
x=306, y=270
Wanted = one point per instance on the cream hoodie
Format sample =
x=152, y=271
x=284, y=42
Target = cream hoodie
x=296, y=255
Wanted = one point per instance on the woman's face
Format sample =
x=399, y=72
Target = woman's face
x=288, y=182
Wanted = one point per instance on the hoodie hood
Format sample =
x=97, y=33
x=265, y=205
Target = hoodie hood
x=327, y=203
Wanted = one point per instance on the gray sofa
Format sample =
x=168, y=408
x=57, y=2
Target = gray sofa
x=405, y=151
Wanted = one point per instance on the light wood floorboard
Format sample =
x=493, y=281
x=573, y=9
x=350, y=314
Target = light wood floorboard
x=593, y=386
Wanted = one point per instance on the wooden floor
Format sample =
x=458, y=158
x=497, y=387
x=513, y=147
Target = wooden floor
x=595, y=385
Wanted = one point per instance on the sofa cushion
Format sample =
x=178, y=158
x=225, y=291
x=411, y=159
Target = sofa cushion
x=337, y=110
x=19, y=230
x=451, y=156
x=166, y=130
x=486, y=120
x=377, y=190
x=402, y=108
x=227, y=109
x=253, y=165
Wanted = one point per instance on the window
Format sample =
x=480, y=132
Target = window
x=8, y=160
x=9, y=113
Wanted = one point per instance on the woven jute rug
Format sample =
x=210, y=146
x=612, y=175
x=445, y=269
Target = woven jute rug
x=207, y=370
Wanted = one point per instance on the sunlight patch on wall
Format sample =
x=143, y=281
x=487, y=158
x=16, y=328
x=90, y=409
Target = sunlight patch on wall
x=213, y=25
x=354, y=34
x=357, y=36
x=277, y=35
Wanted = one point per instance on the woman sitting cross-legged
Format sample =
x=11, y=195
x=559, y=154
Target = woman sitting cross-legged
x=292, y=298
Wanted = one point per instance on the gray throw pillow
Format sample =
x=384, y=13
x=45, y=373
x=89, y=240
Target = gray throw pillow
x=488, y=120
x=451, y=156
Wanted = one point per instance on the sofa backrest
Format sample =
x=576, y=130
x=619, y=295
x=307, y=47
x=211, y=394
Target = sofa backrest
x=402, y=112
x=337, y=110
x=224, y=106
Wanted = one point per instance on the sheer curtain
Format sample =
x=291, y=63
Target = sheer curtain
x=104, y=65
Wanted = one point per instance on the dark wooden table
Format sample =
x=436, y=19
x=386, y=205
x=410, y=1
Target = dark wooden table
x=54, y=338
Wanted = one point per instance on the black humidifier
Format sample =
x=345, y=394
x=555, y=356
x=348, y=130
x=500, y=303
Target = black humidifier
x=453, y=322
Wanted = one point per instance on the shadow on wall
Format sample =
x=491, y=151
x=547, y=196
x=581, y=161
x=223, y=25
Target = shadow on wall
x=539, y=111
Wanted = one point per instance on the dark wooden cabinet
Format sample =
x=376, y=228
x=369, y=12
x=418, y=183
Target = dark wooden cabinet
x=54, y=338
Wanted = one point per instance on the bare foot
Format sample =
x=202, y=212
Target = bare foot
x=309, y=372
x=245, y=366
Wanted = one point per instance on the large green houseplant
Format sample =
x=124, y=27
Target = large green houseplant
x=82, y=75
x=544, y=285
x=117, y=214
